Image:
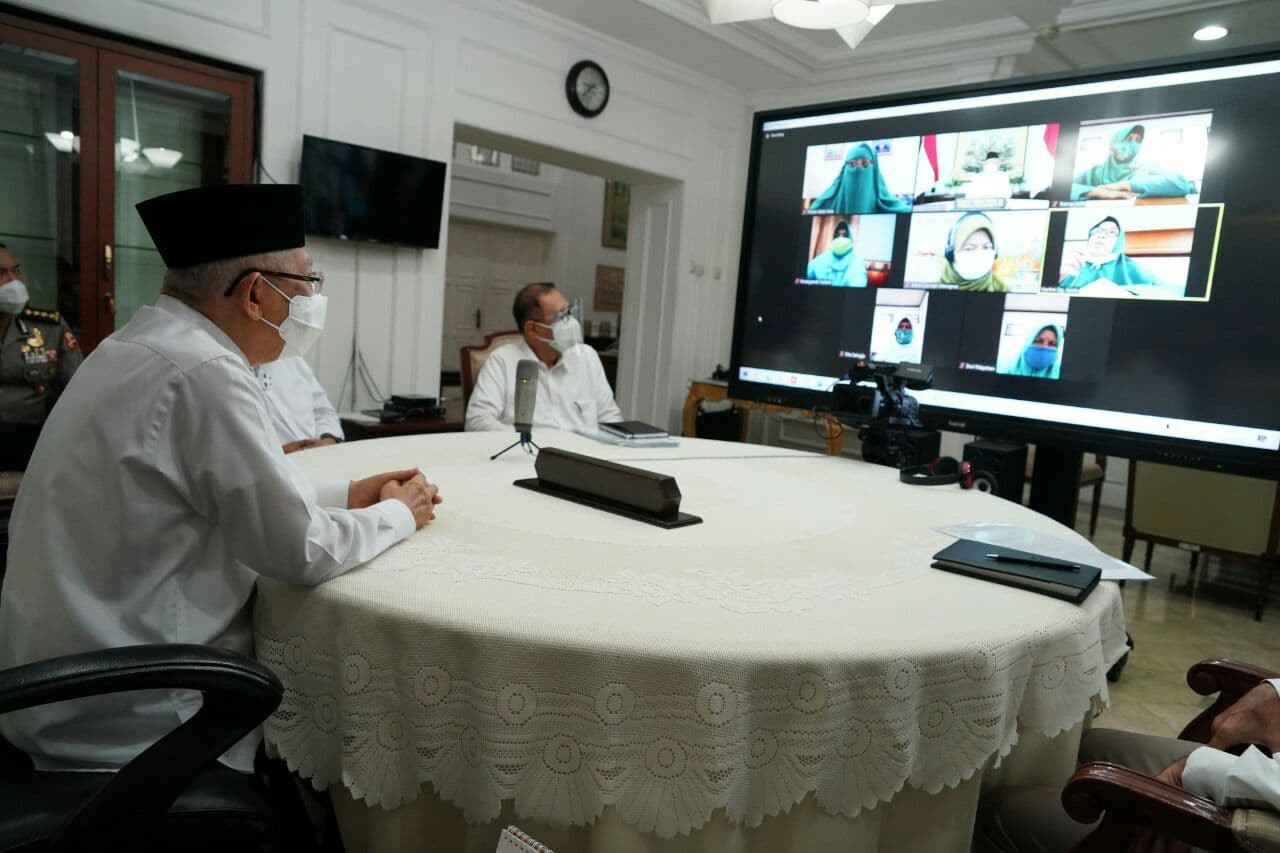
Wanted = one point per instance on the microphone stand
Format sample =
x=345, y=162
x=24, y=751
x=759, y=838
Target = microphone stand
x=524, y=442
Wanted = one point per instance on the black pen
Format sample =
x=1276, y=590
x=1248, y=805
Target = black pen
x=1027, y=561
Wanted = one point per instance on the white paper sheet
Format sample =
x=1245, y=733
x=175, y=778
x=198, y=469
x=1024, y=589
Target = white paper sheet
x=1012, y=536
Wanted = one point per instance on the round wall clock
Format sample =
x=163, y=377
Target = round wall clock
x=587, y=88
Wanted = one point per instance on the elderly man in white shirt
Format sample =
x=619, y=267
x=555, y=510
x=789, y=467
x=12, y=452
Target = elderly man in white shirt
x=158, y=492
x=300, y=410
x=1023, y=820
x=573, y=393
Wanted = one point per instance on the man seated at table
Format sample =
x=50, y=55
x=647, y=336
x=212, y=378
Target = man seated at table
x=300, y=410
x=573, y=393
x=158, y=492
x=1023, y=820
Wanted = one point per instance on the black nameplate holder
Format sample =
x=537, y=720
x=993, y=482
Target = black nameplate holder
x=621, y=489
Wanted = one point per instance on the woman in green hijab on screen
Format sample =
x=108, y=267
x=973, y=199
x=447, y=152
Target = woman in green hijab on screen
x=1042, y=356
x=1120, y=177
x=1104, y=262
x=970, y=257
x=859, y=188
x=839, y=264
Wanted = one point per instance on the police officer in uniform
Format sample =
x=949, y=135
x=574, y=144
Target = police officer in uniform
x=38, y=354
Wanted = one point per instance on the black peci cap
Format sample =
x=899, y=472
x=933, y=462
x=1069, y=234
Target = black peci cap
x=205, y=224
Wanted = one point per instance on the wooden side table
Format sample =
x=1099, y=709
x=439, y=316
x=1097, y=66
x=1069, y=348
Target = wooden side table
x=714, y=391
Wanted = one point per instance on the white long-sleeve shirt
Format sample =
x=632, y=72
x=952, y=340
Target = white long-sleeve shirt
x=157, y=494
x=1251, y=780
x=573, y=394
x=298, y=406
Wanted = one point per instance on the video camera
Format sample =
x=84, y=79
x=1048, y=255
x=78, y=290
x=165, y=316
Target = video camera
x=887, y=417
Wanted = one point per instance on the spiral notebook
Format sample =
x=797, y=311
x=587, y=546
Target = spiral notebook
x=1012, y=567
x=513, y=840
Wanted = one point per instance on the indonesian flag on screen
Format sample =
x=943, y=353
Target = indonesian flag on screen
x=929, y=166
x=1051, y=138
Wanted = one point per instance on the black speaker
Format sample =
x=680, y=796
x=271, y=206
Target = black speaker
x=725, y=425
x=998, y=466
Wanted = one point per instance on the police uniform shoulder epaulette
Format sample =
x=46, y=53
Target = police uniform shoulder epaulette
x=41, y=314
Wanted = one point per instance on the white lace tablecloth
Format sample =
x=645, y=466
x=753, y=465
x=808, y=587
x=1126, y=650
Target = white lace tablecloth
x=796, y=643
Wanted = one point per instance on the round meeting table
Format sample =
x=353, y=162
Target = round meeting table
x=789, y=674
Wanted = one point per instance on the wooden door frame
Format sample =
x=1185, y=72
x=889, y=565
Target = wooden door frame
x=14, y=31
x=100, y=56
x=239, y=88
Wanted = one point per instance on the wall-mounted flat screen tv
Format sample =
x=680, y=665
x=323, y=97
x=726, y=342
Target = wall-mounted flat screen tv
x=366, y=194
x=1086, y=260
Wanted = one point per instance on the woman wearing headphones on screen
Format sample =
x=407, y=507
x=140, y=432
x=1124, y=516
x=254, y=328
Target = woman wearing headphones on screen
x=970, y=257
x=1042, y=357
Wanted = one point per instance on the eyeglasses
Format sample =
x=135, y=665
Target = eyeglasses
x=316, y=279
x=573, y=310
x=1107, y=232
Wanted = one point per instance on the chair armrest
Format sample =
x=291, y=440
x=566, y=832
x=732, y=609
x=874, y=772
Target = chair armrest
x=165, y=667
x=238, y=695
x=1230, y=680
x=1129, y=802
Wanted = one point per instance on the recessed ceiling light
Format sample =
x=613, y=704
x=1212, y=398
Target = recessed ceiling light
x=1211, y=33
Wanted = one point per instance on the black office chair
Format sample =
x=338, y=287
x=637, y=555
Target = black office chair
x=174, y=795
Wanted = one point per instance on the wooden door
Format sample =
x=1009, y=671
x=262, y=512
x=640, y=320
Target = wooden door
x=486, y=266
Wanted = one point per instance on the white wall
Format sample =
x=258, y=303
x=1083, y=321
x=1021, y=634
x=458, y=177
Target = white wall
x=400, y=74
x=577, y=250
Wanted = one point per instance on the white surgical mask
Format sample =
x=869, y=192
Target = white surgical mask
x=304, y=323
x=565, y=334
x=974, y=265
x=13, y=297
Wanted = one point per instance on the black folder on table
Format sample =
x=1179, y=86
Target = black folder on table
x=633, y=430
x=968, y=557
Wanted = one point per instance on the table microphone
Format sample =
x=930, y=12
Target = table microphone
x=526, y=394
x=526, y=397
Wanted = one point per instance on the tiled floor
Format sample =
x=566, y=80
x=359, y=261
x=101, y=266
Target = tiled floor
x=1172, y=630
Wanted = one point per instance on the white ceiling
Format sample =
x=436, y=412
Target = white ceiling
x=922, y=44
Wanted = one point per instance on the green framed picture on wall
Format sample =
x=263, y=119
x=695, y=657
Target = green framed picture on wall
x=617, y=203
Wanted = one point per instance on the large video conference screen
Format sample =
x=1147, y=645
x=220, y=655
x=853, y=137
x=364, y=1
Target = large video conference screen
x=1091, y=255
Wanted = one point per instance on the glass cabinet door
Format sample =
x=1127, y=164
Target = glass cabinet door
x=171, y=132
x=42, y=171
x=89, y=127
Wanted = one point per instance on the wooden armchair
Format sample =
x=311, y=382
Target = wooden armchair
x=1205, y=512
x=472, y=359
x=1129, y=802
